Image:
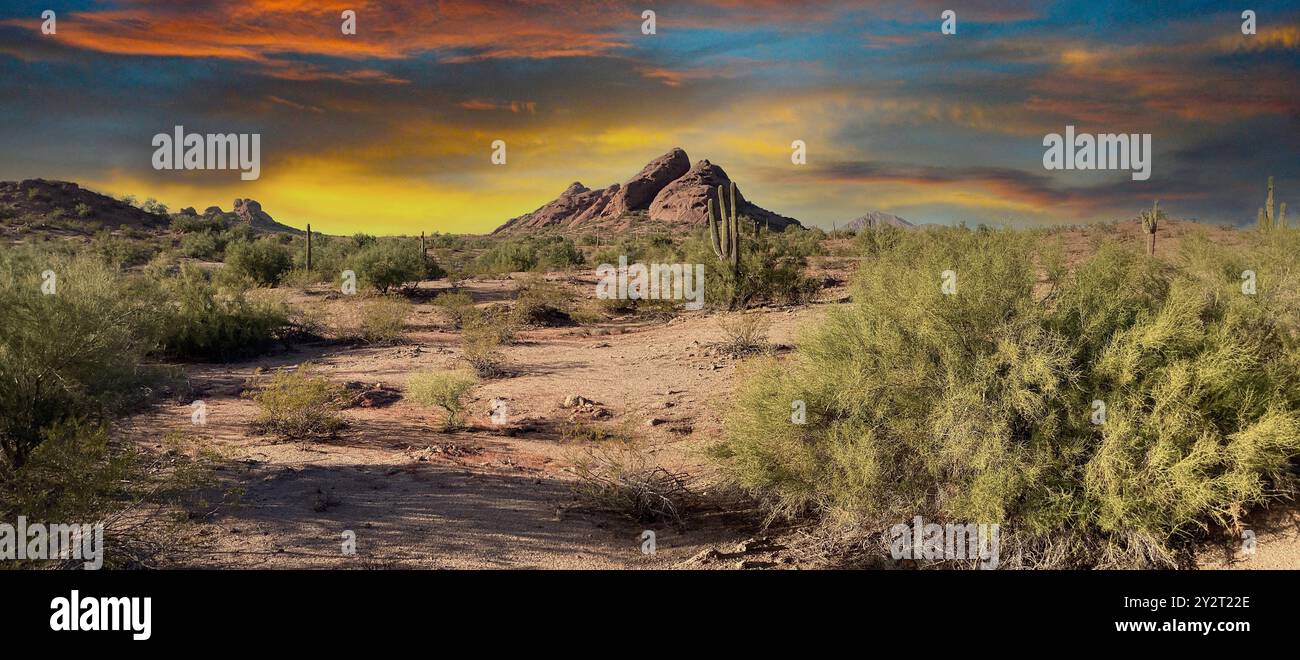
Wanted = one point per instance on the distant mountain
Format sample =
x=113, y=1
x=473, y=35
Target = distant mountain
x=66, y=201
x=877, y=219
x=668, y=190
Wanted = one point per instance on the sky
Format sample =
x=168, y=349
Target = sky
x=390, y=130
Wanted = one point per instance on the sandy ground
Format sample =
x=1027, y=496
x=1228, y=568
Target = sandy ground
x=487, y=497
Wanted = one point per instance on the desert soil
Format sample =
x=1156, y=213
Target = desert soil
x=487, y=497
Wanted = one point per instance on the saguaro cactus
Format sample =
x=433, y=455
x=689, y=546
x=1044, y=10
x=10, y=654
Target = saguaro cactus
x=1267, y=220
x=724, y=233
x=309, y=247
x=1151, y=222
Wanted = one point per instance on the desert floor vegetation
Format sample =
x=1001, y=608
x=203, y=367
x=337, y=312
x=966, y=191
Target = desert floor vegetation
x=484, y=385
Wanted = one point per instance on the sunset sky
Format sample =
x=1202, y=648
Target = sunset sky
x=389, y=131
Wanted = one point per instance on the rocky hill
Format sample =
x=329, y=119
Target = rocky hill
x=245, y=211
x=63, y=201
x=877, y=219
x=667, y=191
x=41, y=205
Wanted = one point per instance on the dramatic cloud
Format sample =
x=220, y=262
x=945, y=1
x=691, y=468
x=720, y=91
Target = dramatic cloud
x=390, y=130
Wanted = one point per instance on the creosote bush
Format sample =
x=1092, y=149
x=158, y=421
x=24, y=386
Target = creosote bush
x=480, y=343
x=744, y=334
x=296, y=405
x=979, y=406
x=445, y=389
x=383, y=318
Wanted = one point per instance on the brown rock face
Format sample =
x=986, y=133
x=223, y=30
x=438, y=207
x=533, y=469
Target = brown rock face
x=640, y=190
x=685, y=200
x=575, y=204
x=667, y=189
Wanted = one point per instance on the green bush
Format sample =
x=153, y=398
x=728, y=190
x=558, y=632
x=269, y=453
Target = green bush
x=121, y=252
x=506, y=257
x=978, y=407
x=206, y=245
x=262, y=261
x=75, y=353
x=771, y=269
x=457, y=304
x=390, y=263
x=295, y=405
x=210, y=322
x=445, y=389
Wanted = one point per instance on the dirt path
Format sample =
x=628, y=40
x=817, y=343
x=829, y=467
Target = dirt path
x=418, y=497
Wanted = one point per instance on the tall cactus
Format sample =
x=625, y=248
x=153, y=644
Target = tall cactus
x=1267, y=220
x=726, y=244
x=1150, y=223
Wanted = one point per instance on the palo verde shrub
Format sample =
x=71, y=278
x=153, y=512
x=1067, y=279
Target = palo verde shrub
x=982, y=406
x=73, y=349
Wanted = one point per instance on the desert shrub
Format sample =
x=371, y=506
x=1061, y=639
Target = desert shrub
x=77, y=353
x=122, y=252
x=445, y=389
x=743, y=334
x=619, y=478
x=873, y=241
x=480, y=344
x=296, y=405
x=210, y=322
x=650, y=248
x=587, y=313
x=79, y=475
x=508, y=256
x=206, y=245
x=499, y=319
x=185, y=224
x=557, y=253
x=456, y=305
x=262, y=261
x=383, y=318
x=386, y=264
x=152, y=205
x=301, y=278
x=542, y=303
x=771, y=270
x=978, y=406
